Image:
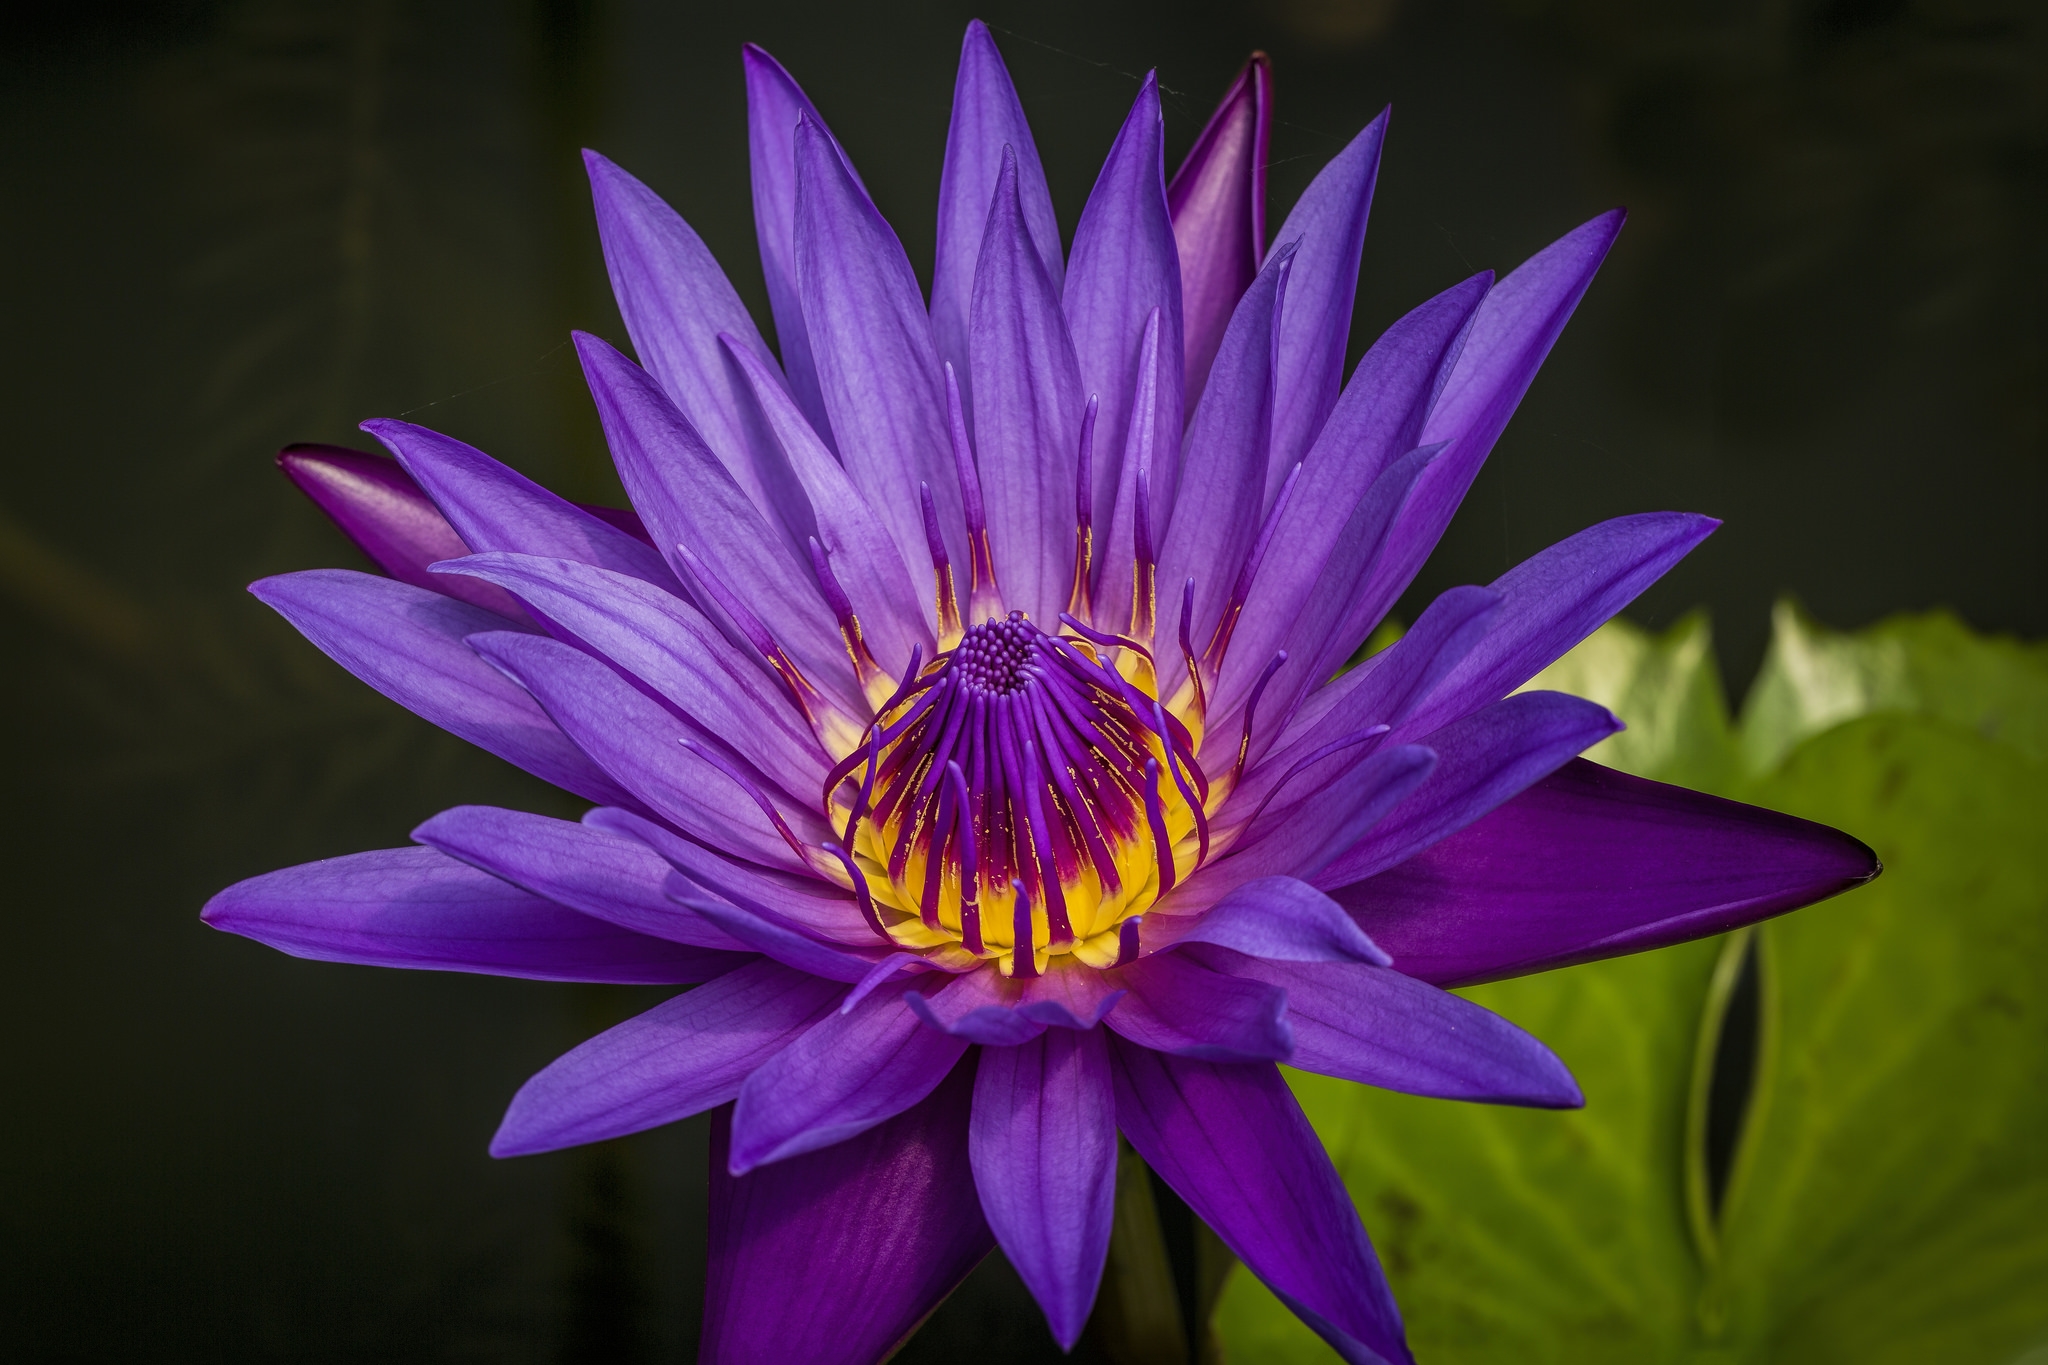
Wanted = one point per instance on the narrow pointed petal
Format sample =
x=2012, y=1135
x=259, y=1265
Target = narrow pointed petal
x=847, y=1073
x=1327, y=230
x=410, y=645
x=1233, y=1143
x=1218, y=204
x=379, y=507
x=779, y=938
x=1043, y=1145
x=1553, y=600
x=835, y=1257
x=1482, y=760
x=493, y=507
x=1028, y=415
x=1282, y=919
x=1591, y=863
x=680, y=1058
x=420, y=908
x=775, y=105
x=986, y=119
x=639, y=744
x=1381, y=1027
x=1321, y=814
x=603, y=875
x=1124, y=265
x=1513, y=332
x=1178, y=1005
x=676, y=302
x=877, y=370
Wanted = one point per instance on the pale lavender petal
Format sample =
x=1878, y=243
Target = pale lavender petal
x=604, y=875
x=1233, y=1143
x=676, y=302
x=641, y=746
x=1383, y=1028
x=418, y=907
x=1482, y=760
x=1123, y=266
x=409, y=644
x=987, y=119
x=873, y=343
x=846, y=1074
x=493, y=507
x=1218, y=204
x=835, y=1257
x=1280, y=918
x=1043, y=1145
x=680, y=1058
x=1027, y=417
x=1178, y=1005
x=1591, y=863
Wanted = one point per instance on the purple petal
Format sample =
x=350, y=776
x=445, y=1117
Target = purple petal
x=1327, y=228
x=378, y=506
x=1043, y=1146
x=1233, y=1143
x=1591, y=863
x=1079, y=998
x=873, y=344
x=1378, y=1026
x=846, y=1074
x=1027, y=417
x=493, y=507
x=416, y=907
x=1482, y=760
x=1553, y=600
x=680, y=1058
x=987, y=119
x=1123, y=266
x=1278, y=918
x=409, y=644
x=1320, y=815
x=606, y=876
x=1218, y=204
x=640, y=745
x=777, y=936
x=835, y=1257
x=676, y=303
x=1509, y=338
x=979, y=1006
x=1149, y=446
x=1178, y=1005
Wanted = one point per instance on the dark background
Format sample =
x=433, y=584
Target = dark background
x=229, y=226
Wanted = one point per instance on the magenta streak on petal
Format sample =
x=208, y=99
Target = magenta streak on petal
x=1218, y=202
x=1251, y=709
x=1079, y=599
x=864, y=665
x=751, y=788
x=1187, y=647
x=984, y=599
x=1233, y=606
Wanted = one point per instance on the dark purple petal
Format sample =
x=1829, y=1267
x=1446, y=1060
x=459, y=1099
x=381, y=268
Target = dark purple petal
x=1124, y=266
x=680, y=1058
x=378, y=506
x=493, y=507
x=604, y=875
x=1178, y=1005
x=676, y=302
x=1233, y=1143
x=640, y=745
x=1508, y=340
x=1553, y=600
x=775, y=105
x=1279, y=918
x=409, y=644
x=1043, y=1146
x=1218, y=204
x=1327, y=229
x=846, y=1074
x=1027, y=417
x=1482, y=760
x=876, y=367
x=835, y=1257
x=1591, y=863
x=987, y=119
x=1381, y=1027
x=417, y=907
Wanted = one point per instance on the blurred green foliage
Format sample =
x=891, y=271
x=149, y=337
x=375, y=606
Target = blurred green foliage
x=1887, y=1195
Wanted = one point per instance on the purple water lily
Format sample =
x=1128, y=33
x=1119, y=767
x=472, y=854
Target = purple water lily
x=964, y=707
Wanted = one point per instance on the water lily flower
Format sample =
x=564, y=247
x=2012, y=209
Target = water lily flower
x=964, y=709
